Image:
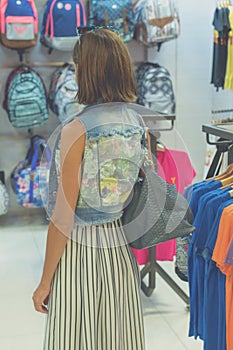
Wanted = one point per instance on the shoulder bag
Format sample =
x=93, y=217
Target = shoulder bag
x=156, y=212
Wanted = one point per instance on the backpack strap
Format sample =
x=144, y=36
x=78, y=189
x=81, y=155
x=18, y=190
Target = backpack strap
x=126, y=27
x=106, y=18
x=34, y=163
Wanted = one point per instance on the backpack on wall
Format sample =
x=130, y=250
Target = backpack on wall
x=60, y=21
x=4, y=196
x=116, y=13
x=181, y=262
x=29, y=178
x=62, y=93
x=25, y=98
x=157, y=21
x=19, y=24
x=155, y=88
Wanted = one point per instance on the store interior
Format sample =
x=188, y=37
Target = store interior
x=166, y=311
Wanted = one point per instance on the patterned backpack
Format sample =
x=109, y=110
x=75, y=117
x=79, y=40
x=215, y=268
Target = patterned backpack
x=116, y=13
x=155, y=88
x=157, y=21
x=60, y=21
x=19, y=24
x=181, y=262
x=30, y=177
x=25, y=98
x=62, y=93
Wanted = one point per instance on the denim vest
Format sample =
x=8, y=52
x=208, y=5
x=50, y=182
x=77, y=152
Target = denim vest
x=112, y=158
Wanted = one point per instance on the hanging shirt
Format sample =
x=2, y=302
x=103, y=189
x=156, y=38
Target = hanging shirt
x=214, y=305
x=214, y=308
x=225, y=235
x=229, y=256
x=219, y=196
x=221, y=25
x=229, y=70
x=176, y=168
x=197, y=208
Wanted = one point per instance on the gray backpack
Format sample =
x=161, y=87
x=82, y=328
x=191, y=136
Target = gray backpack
x=155, y=88
x=62, y=93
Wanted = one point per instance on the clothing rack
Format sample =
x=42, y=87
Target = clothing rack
x=218, y=111
x=152, y=266
x=34, y=64
x=224, y=3
x=159, y=117
x=224, y=132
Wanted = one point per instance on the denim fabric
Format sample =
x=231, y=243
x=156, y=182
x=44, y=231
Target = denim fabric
x=112, y=157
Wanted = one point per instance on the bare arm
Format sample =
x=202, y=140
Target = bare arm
x=61, y=224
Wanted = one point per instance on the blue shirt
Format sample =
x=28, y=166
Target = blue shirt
x=214, y=304
x=205, y=228
x=197, y=207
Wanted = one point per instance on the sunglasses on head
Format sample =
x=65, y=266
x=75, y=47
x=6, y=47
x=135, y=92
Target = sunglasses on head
x=83, y=30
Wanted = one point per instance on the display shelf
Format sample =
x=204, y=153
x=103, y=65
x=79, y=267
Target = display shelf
x=224, y=131
x=223, y=144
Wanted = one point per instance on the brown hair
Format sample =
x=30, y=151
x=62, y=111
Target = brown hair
x=104, y=68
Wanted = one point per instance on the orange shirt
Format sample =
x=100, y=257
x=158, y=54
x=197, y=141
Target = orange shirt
x=225, y=235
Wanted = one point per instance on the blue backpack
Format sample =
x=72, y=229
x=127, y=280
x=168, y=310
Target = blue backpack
x=19, y=24
x=25, y=98
x=60, y=21
x=116, y=13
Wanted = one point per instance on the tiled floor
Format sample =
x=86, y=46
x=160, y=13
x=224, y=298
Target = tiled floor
x=21, y=258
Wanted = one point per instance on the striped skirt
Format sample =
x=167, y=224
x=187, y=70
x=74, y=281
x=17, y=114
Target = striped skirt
x=95, y=296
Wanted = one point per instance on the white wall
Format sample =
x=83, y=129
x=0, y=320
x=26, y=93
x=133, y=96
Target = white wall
x=189, y=60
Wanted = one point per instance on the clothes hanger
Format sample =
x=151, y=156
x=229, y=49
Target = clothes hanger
x=226, y=3
x=228, y=172
x=227, y=181
x=223, y=187
x=222, y=4
x=160, y=147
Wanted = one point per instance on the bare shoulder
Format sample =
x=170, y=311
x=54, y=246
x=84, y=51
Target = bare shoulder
x=73, y=134
x=75, y=127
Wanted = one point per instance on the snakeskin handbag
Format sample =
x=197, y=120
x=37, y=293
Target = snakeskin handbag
x=156, y=212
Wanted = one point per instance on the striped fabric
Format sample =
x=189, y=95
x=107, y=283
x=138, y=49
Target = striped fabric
x=95, y=297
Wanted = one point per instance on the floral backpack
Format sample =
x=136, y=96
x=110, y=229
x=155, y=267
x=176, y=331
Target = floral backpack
x=181, y=262
x=30, y=177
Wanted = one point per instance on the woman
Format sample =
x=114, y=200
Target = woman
x=90, y=286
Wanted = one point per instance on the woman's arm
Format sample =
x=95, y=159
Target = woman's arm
x=61, y=224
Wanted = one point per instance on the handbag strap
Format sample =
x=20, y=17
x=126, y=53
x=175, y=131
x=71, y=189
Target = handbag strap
x=34, y=162
x=147, y=144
